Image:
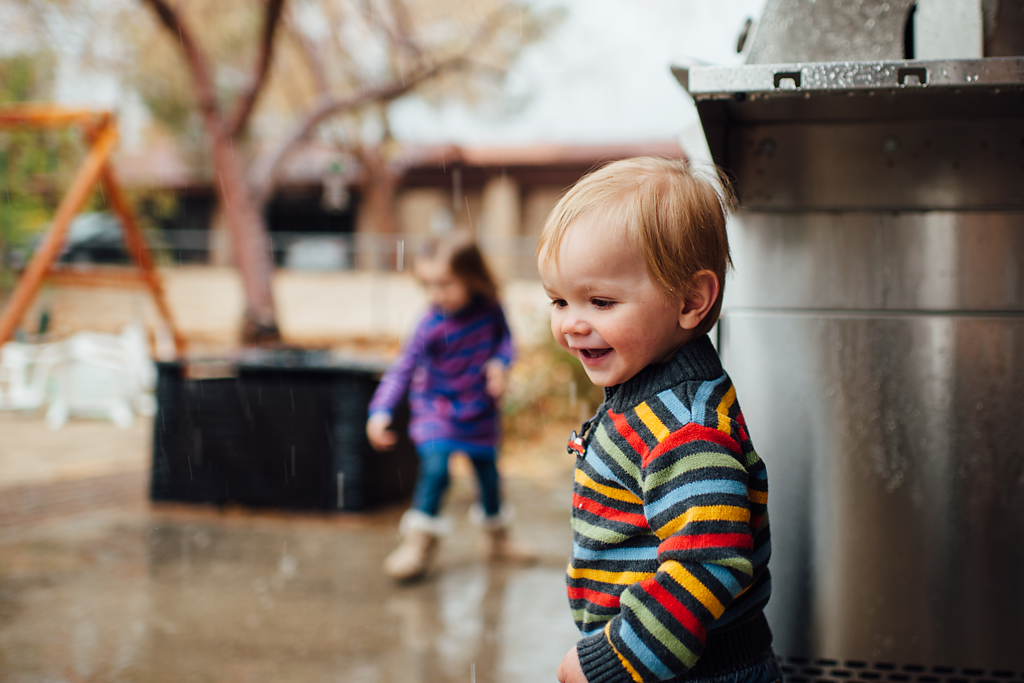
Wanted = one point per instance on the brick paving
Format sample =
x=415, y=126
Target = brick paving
x=87, y=465
x=98, y=584
x=29, y=504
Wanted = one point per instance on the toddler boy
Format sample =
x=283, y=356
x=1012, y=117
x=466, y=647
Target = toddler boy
x=668, y=577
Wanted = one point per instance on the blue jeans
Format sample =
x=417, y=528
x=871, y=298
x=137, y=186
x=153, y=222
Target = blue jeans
x=433, y=480
x=765, y=671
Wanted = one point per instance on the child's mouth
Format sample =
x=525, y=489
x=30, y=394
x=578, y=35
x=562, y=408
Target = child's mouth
x=593, y=353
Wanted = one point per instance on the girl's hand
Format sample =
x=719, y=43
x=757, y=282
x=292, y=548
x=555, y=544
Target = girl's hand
x=570, y=671
x=495, y=371
x=381, y=438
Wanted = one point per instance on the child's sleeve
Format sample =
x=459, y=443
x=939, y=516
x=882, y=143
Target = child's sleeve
x=697, y=496
x=505, y=351
x=395, y=382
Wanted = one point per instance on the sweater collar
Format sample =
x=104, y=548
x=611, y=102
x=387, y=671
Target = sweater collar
x=698, y=360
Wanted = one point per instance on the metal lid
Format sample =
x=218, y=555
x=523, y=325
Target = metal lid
x=718, y=82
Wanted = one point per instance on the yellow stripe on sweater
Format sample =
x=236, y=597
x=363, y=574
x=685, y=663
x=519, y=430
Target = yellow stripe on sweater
x=583, y=479
x=704, y=513
x=693, y=585
x=760, y=497
x=616, y=578
x=647, y=416
x=724, y=423
x=629, y=667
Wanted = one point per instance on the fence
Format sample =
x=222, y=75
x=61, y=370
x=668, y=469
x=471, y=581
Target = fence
x=511, y=256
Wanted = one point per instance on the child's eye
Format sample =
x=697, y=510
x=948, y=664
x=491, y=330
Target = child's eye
x=602, y=303
x=558, y=303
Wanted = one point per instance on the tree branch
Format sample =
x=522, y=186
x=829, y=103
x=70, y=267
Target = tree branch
x=194, y=57
x=266, y=168
x=401, y=35
x=267, y=165
x=247, y=100
x=310, y=54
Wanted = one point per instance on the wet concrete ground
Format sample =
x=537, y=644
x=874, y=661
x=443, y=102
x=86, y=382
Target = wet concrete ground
x=115, y=589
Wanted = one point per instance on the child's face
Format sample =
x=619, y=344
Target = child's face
x=605, y=309
x=444, y=289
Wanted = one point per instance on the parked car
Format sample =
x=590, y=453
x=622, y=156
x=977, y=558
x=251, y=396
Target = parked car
x=318, y=253
x=95, y=237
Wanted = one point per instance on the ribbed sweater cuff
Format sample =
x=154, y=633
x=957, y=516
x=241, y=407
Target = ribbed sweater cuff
x=599, y=662
x=727, y=651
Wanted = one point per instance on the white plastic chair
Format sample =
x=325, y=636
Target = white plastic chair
x=104, y=376
x=26, y=372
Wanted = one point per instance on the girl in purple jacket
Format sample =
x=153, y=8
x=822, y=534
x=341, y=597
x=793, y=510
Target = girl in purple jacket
x=453, y=370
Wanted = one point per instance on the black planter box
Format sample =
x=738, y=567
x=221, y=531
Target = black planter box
x=279, y=429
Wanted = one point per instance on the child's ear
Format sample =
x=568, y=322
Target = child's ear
x=700, y=300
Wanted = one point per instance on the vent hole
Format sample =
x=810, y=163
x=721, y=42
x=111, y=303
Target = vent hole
x=911, y=76
x=787, y=80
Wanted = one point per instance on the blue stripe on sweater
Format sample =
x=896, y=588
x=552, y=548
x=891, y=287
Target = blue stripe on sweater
x=757, y=596
x=760, y=556
x=697, y=488
x=701, y=399
x=602, y=468
x=674, y=406
x=645, y=653
x=632, y=554
x=724, y=577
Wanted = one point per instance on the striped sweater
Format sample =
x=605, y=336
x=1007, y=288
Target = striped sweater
x=668, y=577
x=442, y=368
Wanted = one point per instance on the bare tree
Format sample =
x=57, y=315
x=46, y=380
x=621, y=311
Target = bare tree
x=222, y=126
x=367, y=54
x=472, y=53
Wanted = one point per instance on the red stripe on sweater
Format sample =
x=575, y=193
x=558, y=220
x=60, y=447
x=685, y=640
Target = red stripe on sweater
x=690, y=432
x=628, y=433
x=606, y=512
x=592, y=596
x=741, y=541
x=677, y=609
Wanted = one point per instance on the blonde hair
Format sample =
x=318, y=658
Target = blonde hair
x=459, y=250
x=674, y=217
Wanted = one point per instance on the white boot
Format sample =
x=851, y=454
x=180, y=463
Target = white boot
x=412, y=558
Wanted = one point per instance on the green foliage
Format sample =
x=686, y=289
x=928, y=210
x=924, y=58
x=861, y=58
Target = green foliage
x=548, y=383
x=37, y=166
x=34, y=165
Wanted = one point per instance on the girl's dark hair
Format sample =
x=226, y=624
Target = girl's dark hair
x=462, y=254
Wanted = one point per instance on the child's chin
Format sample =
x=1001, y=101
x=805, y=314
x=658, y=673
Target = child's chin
x=599, y=378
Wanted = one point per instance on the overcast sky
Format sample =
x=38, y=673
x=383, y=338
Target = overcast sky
x=602, y=76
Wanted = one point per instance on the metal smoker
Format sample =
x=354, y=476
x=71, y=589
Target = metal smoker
x=874, y=327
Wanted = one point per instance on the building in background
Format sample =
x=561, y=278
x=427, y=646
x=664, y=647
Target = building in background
x=318, y=219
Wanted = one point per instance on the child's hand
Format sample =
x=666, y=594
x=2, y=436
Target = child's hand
x=570, y=671
x=381, y=438
x=495, y=372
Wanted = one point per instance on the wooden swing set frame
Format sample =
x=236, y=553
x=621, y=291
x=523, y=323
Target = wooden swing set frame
x=100, y=131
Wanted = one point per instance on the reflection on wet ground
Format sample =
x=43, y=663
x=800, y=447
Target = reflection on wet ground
x=176, y=593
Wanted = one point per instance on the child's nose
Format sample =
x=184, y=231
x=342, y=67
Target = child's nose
x=574, y=324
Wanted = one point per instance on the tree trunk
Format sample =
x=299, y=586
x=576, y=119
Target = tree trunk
x=249, y=237
x=250, y=242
